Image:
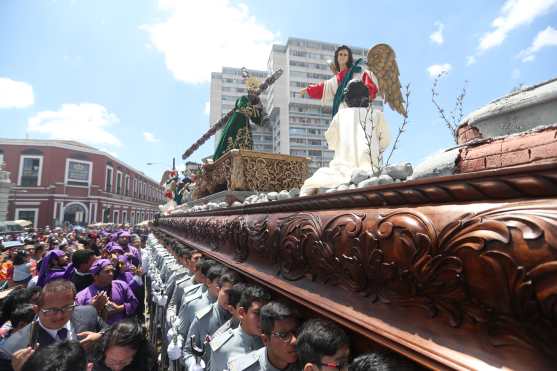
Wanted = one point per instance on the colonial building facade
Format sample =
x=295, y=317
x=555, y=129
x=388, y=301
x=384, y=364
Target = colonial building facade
x=58, y=182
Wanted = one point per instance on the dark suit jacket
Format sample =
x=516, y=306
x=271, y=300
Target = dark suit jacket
x=84, y=318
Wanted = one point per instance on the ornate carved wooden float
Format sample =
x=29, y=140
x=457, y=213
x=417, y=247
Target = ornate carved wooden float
x=245, y=170
x=455, y=272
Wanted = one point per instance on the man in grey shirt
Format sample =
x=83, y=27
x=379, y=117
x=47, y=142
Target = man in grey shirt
x=279, y=324
x=246, y=337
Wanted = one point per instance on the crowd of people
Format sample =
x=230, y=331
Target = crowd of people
x=73, y=299
x=122, y=299
x=210, y=318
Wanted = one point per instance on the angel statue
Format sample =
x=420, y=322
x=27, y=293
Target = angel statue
x=346, y=134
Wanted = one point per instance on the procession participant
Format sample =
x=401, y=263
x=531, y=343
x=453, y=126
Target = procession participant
x=191, y=288
x=54, y=266
x=279, y=324
x=82, y=261
x=62, y=356
x=382, y=361
x=124, y=347
x=113, y=299
x=200, y=299
x=234, y=295
x=208, y=319
x=189, y=260
x=133, y=254
x=246, y=337
x=58, y=319
x=322, y=346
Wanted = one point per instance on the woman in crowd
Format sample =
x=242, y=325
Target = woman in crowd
x=124, y=348
x=22, y=268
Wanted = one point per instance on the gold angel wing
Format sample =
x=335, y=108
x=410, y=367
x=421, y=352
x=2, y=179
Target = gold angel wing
x=381, y=60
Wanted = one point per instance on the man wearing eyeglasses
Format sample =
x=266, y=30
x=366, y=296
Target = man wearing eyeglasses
x=57, y=319
x=322, y=346
x=279, y=326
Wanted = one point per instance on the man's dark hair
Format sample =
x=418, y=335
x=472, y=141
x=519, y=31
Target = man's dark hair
x=20, y=257
x=22, y=313
x=81, y=257
x=350, y=57
x=272, y=312
x=235, y=293
x=128, y=333
x=203, y=265
x=253, y=293
x=382, y=361
x=215, y=272
x=319, y=338
x=187, y=253
x=60, y=356
x=229, y=276
x=17, y=297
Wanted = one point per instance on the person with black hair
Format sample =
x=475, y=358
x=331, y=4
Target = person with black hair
x=190, y=261
x=246, y=337
x=22, y=315
x=58, y=319
x=234, y=295
x=200, y=299
x=82, y=261
x=208, y=319
x=22, y=268
x=124, y=347
x=382, y=360
x=279, y=324
x=322, y=346
x=62, y=356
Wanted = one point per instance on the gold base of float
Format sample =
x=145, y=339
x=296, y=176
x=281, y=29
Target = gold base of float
x=244, y=170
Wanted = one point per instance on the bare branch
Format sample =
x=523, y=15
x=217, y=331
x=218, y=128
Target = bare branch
x=402, y=127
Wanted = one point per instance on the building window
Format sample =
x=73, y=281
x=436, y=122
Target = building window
x=28, y=214
x=132, y=218
x=30, y=170
x=124, y=217
x=134, y=187
x=116, y=217
x=127, y=186
x=78, y=172
x=118, y=182
x=108, y=182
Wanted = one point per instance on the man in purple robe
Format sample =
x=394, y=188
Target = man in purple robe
x=54, y=266
x=133, y=254
x=113, y=299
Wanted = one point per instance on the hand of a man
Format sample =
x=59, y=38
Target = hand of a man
x=88, y=338
x=20, y=357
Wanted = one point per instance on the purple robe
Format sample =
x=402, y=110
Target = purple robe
x=119, y=293
x=47, y=274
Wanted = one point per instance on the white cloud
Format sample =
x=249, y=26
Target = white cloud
x=149, y=137
x=15, y=94
x=437, y=69
x=207, y=108
x=470, y=60
x=437, y=36
x=547, y=37
x=199, y=37
x=88, y=123
x=513, y=14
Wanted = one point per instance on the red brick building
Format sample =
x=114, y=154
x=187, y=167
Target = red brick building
x=59, y=181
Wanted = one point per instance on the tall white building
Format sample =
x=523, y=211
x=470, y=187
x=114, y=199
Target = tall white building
x=298, y=124
x=226, y=87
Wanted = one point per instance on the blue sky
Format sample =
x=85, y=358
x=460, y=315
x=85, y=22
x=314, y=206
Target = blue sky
x=132, y=76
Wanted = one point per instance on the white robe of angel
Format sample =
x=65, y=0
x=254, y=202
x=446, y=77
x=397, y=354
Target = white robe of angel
x=347, y=138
